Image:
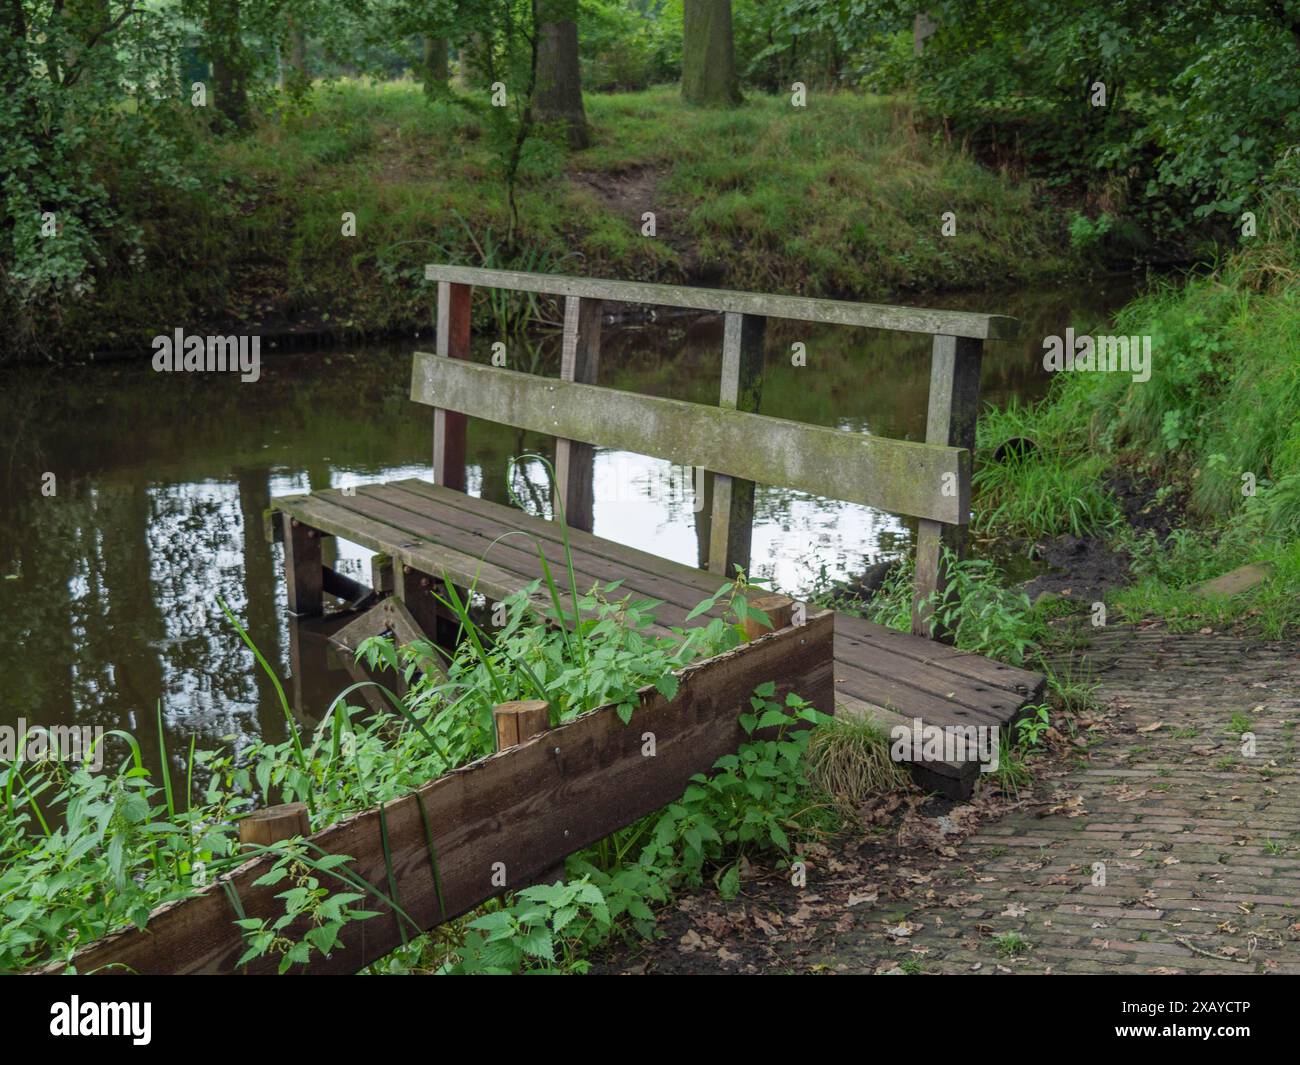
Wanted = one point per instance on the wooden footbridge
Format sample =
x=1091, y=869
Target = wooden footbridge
x=432, y=532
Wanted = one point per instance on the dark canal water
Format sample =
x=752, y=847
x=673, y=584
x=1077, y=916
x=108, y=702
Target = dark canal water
x=109, y=586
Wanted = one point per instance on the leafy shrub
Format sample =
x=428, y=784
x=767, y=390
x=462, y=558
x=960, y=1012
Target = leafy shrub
x=756, y=800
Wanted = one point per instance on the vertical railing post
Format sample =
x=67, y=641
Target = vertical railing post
x=732, y=525
x=953, y=408
x=579, y=361
x=449, y=426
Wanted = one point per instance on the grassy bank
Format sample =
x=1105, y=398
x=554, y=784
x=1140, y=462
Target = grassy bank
x=1213, y=439
x=843, y=197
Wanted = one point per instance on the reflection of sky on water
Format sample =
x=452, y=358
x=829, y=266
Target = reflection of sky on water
x=650, y=504
x=798, y=539
x=196, y=541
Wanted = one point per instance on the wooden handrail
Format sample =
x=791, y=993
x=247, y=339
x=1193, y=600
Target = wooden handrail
x=800, y=308
x=897, y=477
x=923, y=480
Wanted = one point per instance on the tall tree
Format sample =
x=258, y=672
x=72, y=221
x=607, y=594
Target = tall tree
x=433, y=66
x=557, y=95
x=231, y=63
x=435, y=23
x=297, y=46
x=708, y=55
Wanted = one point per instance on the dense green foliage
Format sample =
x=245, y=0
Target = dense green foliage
x=1215, y=426
x=84, y=853
x=1200, y=99
x=259, y=237
x=126, y=158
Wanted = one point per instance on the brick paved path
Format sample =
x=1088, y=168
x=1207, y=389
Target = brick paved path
x=1200, y=844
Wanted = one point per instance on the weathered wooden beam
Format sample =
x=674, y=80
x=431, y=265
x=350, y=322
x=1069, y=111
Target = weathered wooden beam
x=950, y=421
x=894, y=475
x=574, y=460
x=402, y=624
x=423, y=556
x=801, y=308
x=374, y=622
x=954, y=780
x=340, y=585
x=303, y=571
x=731, y=527
x=449, y=426
x=415, y=591
x=391, y=616
x=518, y=812
x=381, y=573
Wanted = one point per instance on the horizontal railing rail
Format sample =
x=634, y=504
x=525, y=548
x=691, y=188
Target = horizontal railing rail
x=799, y=308
x=898, y=476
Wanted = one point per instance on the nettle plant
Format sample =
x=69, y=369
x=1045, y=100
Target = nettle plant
x=83, y=854
x=983, y=616
x=756, y=800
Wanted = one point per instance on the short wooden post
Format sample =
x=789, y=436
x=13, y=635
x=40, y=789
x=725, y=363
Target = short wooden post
x=732, y=524
x=519, y=721
x=953, y=408
x=575, y=461
x=779, y=610
x=449, y=426
x=264, y=827
x=304, y=572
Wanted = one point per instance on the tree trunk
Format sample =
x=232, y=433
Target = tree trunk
x=433, y=67
x=557, y=95
x=225, y=46
x=476, y=69
x=708, y=55
x=297, y=48
x=14, y=69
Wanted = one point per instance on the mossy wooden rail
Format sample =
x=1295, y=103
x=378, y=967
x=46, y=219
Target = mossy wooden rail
x=513, y=815
x=436, y=532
